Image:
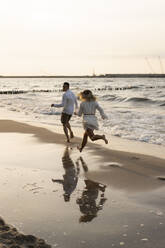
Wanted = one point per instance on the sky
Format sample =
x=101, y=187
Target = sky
x=81, y=37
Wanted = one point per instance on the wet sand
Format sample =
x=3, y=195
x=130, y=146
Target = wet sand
x=98, y=198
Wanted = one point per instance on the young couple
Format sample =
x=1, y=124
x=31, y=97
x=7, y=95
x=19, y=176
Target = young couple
x=87, y=108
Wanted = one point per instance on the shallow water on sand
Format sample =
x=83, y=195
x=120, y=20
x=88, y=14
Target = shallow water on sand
x=95, y=214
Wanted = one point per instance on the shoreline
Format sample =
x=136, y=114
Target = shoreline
x=115, y=143
x=54, y=134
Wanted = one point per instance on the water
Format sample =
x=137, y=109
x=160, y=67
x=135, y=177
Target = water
x=135, y=106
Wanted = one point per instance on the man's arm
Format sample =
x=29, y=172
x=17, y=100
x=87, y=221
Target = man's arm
x=61, y=104
x=76, y=103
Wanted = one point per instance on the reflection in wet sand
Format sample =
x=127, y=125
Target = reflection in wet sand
x=88, y=201
x=70, y=178
x=92, y=198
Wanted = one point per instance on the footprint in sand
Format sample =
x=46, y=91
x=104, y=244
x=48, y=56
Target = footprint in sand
x=161, y=178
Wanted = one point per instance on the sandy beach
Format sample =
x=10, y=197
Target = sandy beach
x=94, y=65
x=51, y=194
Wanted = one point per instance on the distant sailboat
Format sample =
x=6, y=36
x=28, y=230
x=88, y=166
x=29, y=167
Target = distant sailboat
x=161, y=65
x=149, y=65
x=151, y=68
x=93, y=74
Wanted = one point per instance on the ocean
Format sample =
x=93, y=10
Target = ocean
x=135, y=106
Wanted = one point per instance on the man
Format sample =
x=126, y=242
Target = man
x=68, y=102
x=70, y=178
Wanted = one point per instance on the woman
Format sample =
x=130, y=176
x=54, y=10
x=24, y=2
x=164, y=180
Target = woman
x=88, y=109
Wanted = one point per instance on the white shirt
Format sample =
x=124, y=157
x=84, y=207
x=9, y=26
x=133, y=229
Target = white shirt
x=68, y=102
x=90, y=107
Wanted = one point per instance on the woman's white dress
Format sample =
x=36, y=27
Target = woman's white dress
x=88, y=110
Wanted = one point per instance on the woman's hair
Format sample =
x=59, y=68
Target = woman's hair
x=87, y=95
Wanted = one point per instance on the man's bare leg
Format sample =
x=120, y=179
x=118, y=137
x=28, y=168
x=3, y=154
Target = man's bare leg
x=66, y=132
x=70, y=130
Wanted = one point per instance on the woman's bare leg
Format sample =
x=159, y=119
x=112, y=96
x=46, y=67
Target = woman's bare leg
x=94, y=137
x=84, y=142
x=104, y=138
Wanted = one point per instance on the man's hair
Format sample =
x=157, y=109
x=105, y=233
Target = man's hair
x=66, y=84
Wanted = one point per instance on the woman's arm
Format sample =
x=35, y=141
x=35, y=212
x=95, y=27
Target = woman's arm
x=101, y=111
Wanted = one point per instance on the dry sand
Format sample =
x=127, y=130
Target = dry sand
x=129, y=212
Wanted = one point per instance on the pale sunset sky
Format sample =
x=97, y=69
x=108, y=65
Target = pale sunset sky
x=77, y=37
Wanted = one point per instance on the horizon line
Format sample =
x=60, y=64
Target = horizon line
x=107, y=75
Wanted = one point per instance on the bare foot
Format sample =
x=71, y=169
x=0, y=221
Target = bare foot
x=71, y=135
x=104, y=138
x=79, y=148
